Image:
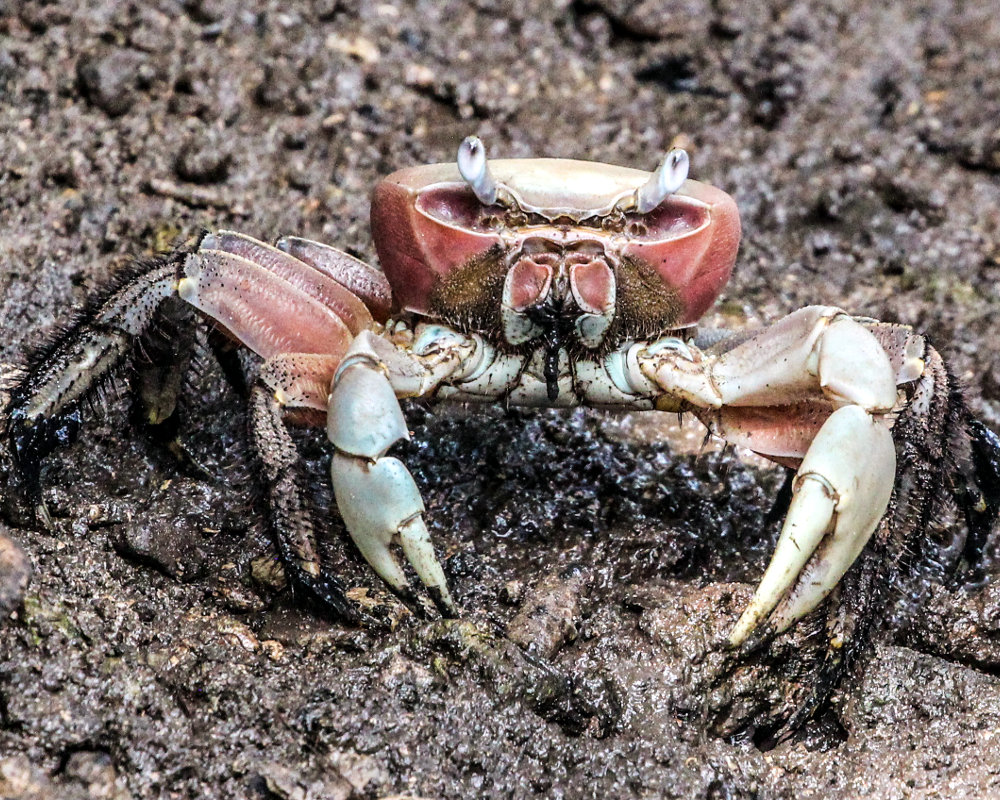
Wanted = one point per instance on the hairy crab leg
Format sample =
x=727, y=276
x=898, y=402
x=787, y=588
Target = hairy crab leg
x=290, y=516
x=99, y=342
x=844, y=483
x=43, y=410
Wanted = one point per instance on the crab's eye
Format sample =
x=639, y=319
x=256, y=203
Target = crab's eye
x=667, y=179
x=475, y=170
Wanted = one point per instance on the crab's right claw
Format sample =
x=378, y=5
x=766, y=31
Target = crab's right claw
x=841, y=491
x=376, y=494
x=380, y=504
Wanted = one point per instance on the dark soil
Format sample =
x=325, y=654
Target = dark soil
x=156, y=651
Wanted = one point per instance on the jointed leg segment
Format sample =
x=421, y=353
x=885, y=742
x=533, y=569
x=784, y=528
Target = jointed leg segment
x=290, y=516
x=44, y=406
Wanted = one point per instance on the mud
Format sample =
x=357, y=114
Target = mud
x=156, y=651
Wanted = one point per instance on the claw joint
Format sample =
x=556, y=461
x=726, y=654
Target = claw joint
x=676, y=370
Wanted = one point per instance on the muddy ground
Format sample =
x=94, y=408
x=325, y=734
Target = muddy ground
x=156, y=651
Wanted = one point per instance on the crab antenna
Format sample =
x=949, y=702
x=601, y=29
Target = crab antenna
x=472, y=164
x=664, y=182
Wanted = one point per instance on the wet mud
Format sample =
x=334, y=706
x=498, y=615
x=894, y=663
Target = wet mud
x=149, y=646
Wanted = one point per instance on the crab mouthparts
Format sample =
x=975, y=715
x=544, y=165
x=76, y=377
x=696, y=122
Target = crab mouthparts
x=557, y=319
x=558, y=298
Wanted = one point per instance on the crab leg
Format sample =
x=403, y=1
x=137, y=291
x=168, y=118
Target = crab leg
x=848, y=465
x=269, y=300
x=290, y=516
x=43, y=408
x=69, y=371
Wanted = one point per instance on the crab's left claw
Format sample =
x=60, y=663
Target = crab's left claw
x=841, y=491
x=380, y=504
x=764, y=393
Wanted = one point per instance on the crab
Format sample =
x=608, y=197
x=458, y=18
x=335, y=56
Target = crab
x=552, y=282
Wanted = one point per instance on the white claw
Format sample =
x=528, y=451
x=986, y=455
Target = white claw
x=416, y=543
x=365, y=418
x=476, y=171
x=842, y=489
x=384, y=563
x=667, y=179
x=799, y=539
x=380, y=504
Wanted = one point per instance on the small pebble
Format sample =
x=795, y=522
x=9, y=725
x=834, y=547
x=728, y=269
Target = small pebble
x=203, y=159
x=108, y=80
x=15, y=572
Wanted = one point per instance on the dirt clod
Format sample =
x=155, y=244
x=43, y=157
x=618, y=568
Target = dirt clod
x=15, y=572
x=108, y=80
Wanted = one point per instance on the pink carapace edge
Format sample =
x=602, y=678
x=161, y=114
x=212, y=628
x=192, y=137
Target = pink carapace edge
x=417, y=249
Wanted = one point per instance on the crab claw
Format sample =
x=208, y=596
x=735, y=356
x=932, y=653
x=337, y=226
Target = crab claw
x=380, y=504
x=667, y=179
x=377, y=497
x=476, y=172
x=840, y=493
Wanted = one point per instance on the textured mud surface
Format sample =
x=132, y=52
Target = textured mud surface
x=155, y=651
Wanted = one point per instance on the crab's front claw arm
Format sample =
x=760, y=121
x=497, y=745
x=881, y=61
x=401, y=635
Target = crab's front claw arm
x=840, y=493
x=812, y=390
x=376, y=494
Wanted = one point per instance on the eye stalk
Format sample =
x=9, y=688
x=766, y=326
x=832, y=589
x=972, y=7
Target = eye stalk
x=476, y=172
x=549, y=191
x=667, y=179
